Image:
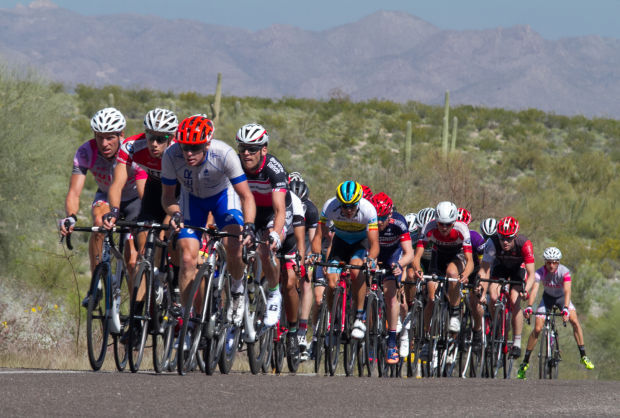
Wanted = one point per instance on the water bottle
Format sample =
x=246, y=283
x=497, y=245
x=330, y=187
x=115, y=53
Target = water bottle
x=115, y=320
x=251, y=290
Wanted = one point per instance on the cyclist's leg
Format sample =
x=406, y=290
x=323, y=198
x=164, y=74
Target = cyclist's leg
x=517, y=312
x=99, y=208
x=229, y=218
x=129, y=211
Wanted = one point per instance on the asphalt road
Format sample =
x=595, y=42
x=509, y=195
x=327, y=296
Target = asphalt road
x=63, y=393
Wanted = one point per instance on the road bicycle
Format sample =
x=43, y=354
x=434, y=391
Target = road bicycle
x=204, y=323
x=107, y=300
x=413, y=324
x=471, y=359
x=375, y=340
x=549, y=356
x=498, y=344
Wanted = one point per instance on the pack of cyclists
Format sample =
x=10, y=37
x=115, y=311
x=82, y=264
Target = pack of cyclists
x=178, y=173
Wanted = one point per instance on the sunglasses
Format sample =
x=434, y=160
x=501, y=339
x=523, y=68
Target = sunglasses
x=160, y=139
x=506, y=239
x=552, y=262
x=349, y=207
x=445, y=225
x=251, y=149
x=193, y=148
x=383, y=218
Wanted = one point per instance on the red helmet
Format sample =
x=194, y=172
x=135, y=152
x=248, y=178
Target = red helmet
x=508, y=227
x=195, y=130
x=464, y=216
x=367, y=192
x=382, y=203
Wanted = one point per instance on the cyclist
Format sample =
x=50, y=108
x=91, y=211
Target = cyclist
x=510, y=255
x=98, y=156
x=488, y=228
x=145, y=150
x=451, y=255
x=268, y=182
x=311, y=215
x=356, y=241
x=556, y=280
x=212, y=180
x=395, y=254
x=366, y=192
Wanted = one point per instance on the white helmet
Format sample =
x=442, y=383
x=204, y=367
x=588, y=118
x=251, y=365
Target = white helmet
x=252, y=134
x=295, y=175
x=161, y=120
x=552, y=253
x=446, y=212
x=425, y=216
x=412, y=223
x=488, y=227
x=108, y=120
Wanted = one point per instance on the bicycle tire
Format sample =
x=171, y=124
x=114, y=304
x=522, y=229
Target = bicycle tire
x=382, y=365
x=320, y=333
x=350, y=344
x=139, y=317
x=121, y=354
x=371, y=336
x=554, y=369
x=163, y=331
x=465, y=341
x=97, y=329
x=268, y=351
x=216, y=324
x=496, y=343
x=334, y=333
x=257, y=350
x=436, y=339
x=543, y=358
x=229, y=351
x=279, y=352
x=193, y=321
x=416, y=336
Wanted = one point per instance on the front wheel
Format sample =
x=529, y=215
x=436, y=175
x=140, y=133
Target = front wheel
x=334, y=333
x=496, y=343
x=96, y=319
x=320, y=332
x=543, y=355
x=120, y=348
x=139, y=318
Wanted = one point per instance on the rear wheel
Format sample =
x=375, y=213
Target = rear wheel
x=319, y=335
x=555, y=357
x=465, y=340
x=193, y=311
x=258, y=349
x=96, y=319
x=543, y=356
x=229, y=351
x=279, y=352
x=163, y=328
x=372, y=335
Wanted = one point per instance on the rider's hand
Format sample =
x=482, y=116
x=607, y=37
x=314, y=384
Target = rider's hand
x=176, y=221
x=66, y=225
x=463, y=280
x=565, y=314
x=371, y=263
x=109, y=219
x=525, y=295
x=312, y=258
x=397, y=270
x=249, y=234
x=527, y=312
x=274, y=241
x=419, y=274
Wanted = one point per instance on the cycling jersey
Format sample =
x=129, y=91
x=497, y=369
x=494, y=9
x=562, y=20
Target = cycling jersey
x=394, y=233
x=354, y=229
x=218, y=172
x=311, y=214
x=88, y=158
x=269, y=177
x=521, y=252
x=553, y=282
x=135, y=150
x=458, y=239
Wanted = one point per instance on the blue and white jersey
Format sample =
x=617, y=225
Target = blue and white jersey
x=352, y=229
x=220, y=170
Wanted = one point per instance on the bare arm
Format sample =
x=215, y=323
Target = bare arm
x=248, y=205
x=407, y=256
x=531, y=272
x=469, y=267
x=279, y=211
x=567, y=293
x=300, y=237
x=317, y=239
x=72, y=201
x=121, y=174
x=373, y=241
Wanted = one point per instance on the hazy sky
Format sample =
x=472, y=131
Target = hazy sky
x=551, y=18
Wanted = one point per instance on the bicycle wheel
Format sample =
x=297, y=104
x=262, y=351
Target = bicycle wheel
x=163, y=327
x=416, y=336
x=257, y=350
x=139, y=317
x=350, y=344
x=334, y=333
x=543, y=355
x=216, y=325
x=382, y=366
x=96, y=319
x=279, y=351
x=194, y=311
x=465, y=348
x=229, y=351
x=372, y=334
x=436, y=341
x=120, y=349
x=320, y=332
x=269, y=335
x=554, y=367
x=496, y=344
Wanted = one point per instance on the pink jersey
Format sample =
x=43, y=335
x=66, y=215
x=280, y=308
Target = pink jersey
x=88, y=158
x=553, y=282
x=135, y=150
x=458, y=238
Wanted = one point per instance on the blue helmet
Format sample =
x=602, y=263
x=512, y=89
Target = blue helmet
x=349, y=192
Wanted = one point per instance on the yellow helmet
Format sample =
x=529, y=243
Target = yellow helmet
x=349, y=192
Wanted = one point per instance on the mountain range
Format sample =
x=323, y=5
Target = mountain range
x=386, y=55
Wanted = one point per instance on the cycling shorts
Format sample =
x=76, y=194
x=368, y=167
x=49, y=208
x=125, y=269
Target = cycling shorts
x=440, y=260
x=387, y=260
x=548, y=302
x=129, y=209
x=225, y=207
x=343, y=251
x=515, y=274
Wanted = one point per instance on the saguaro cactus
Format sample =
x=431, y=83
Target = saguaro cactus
x=408, y=145
x=455, y=124
x=215, y=107
x=446, y=124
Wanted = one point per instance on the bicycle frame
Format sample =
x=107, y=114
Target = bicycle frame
x=549, y=354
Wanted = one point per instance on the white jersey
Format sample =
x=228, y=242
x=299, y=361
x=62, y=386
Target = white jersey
x=219, y=171
x=553, y=282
